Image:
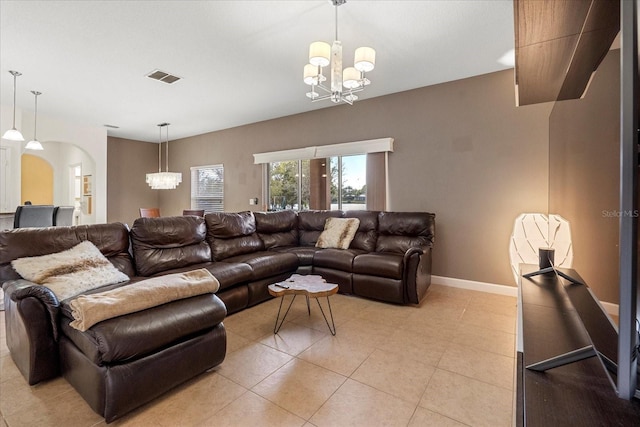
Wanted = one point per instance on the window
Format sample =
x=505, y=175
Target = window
x=349, y=182
x=207, y=188
x=348, y=176
x=289, y=185
x=302, y=184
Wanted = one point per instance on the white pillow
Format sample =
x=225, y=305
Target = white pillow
x=338, y=233
x=70, y=272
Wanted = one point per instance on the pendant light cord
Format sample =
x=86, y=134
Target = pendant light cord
x=14, y=100
x=336, y=7
x=35, y=119
x=167, y=159
x=159, y=149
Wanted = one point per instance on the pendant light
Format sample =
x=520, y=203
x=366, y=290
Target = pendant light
x=163, y=180
x=34, y=144
x=14, y=134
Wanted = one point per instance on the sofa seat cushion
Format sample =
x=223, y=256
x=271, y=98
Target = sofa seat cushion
x=229, y=274
x=304, y=253
x=379, y=264
x=135, y=335
x=338, y=259
x=267, y=263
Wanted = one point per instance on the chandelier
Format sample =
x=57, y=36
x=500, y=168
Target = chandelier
x=352, y=79
x=163, y=180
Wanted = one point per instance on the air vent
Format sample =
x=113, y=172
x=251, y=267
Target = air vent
x=111, y=126
x=163, y=77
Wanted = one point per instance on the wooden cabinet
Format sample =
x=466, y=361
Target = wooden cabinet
x=559, y=45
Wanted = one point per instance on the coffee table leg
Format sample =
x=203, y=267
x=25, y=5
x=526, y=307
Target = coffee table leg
x=308, y=308
x=277, y=327
x=333, y=331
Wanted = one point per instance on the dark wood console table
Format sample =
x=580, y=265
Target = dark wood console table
x=556, y=317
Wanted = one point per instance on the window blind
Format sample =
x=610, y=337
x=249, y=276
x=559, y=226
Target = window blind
x=207, y=188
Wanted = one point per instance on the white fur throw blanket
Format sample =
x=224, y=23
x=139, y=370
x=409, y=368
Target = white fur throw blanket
x=87, y=310
x=70, y=272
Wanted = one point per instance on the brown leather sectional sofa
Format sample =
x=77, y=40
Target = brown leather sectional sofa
x=389, y=259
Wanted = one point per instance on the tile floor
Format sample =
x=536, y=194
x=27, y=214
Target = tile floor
x=448, y=362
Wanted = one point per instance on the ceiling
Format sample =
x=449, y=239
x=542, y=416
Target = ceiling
x=240, y=61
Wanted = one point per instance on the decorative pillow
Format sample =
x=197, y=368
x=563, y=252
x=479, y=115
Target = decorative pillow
x=70, y=272
x=338, y=233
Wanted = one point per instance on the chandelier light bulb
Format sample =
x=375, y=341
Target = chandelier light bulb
x=351, y=78
x=319, y=54
x=311, y=74
x=365, y=59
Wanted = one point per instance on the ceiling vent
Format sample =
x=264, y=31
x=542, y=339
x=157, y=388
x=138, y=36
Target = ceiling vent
x=163, y=77
x=112, y=126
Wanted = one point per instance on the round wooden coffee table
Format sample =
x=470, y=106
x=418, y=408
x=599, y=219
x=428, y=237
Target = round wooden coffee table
x=311, y=286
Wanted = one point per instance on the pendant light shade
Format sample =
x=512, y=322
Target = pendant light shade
x=163, y=180
x=14, y=134
x=34, y=144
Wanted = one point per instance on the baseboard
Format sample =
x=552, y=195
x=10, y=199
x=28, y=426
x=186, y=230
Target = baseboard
x=611, y=308
x=475, y=286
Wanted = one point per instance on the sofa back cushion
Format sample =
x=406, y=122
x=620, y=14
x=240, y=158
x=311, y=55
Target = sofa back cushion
x=398, y=231
x=277, y=229
x=367, y=234
x=230, y=234
x=164, y=243
x=111, y=239
x=311, y=224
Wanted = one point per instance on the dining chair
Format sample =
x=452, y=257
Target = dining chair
x=63, y=216
x=194, y=212
x=149, y=212
x=33, y=216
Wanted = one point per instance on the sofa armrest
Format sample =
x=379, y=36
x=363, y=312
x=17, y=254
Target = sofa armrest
x=17, y=290
x=417, y=272
x=31, y=316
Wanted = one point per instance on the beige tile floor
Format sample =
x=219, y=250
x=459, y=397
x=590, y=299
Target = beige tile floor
x=448, y=362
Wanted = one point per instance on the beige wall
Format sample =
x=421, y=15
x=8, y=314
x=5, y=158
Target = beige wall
x=462, y=150
x=127, y=164
x=585, y=176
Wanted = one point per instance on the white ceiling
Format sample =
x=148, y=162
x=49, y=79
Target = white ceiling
x=241, y=61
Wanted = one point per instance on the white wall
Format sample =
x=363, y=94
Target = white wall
x=58, y=138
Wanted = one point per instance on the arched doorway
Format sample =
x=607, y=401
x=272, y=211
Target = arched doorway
x=37, y=180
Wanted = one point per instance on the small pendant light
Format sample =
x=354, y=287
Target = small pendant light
x=34, y=144
x=14, y=134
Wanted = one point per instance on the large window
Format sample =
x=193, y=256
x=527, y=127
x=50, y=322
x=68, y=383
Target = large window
x=347, y=176
x=303, y=184
x=207, y=188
